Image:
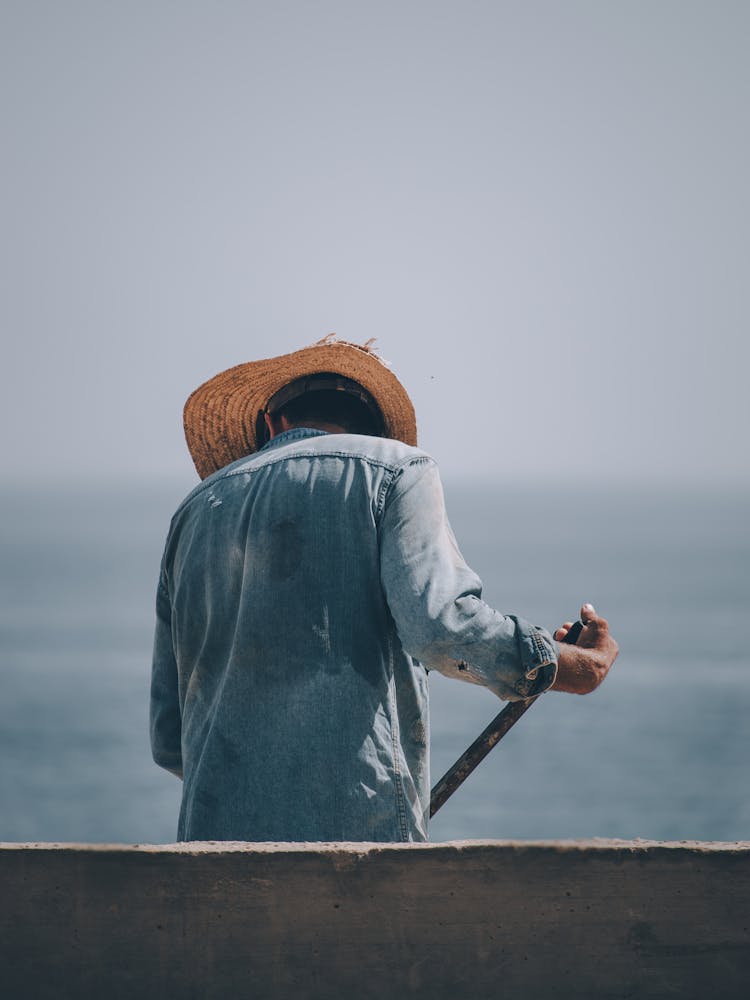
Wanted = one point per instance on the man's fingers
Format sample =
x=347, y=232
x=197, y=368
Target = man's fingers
x=563, y=631
x=592, y=620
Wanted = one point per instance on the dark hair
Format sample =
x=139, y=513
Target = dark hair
x=332, y=406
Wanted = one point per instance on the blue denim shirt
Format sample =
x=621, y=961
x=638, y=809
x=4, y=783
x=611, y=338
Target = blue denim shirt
x=304, y=591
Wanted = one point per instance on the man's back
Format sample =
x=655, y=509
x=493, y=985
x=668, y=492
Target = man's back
x=302, y=717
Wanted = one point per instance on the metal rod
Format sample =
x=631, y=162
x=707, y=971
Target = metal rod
x=487, y=740
x=477, y=752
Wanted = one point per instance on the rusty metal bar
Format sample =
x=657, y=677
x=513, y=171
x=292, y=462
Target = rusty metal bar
x=476, y=753
x=482, y=745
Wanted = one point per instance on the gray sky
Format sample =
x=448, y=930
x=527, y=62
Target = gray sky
x=540, y=209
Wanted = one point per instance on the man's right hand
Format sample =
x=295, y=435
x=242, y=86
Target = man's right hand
x=581, y=668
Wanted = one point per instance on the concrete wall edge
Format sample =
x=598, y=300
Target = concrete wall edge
x=596, y=845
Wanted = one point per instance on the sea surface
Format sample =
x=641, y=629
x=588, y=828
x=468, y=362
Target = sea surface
x=661, y=750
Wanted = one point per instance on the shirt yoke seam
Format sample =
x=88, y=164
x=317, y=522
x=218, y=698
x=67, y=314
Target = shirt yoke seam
x=392, y=467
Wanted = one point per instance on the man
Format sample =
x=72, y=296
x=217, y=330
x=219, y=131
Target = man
x=308, y=584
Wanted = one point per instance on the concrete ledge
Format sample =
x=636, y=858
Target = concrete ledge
x=577, y=919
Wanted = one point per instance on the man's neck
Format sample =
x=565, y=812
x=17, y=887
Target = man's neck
x=283, y=424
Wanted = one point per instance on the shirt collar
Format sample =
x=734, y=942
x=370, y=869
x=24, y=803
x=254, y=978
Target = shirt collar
x=295, y=434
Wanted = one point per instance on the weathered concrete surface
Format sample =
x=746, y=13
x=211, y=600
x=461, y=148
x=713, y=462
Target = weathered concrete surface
x=472, y=919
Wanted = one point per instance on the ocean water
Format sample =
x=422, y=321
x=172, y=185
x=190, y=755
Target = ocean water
x=661, y=751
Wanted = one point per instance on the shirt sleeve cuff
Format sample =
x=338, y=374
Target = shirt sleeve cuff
x=538, y=652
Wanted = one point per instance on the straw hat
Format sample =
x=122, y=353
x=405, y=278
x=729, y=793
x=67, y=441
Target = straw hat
x=223, y=416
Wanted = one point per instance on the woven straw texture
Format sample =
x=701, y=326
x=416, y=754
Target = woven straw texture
x=220, y=416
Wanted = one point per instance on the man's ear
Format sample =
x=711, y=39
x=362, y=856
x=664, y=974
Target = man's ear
x=275, y=425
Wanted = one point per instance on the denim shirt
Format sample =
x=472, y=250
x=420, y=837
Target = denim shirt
x=304, y=593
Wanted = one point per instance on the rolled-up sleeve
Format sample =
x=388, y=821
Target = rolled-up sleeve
x=165, y=718
x=436, y=599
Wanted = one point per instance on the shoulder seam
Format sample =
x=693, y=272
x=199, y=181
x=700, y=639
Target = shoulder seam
x=388, y=482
